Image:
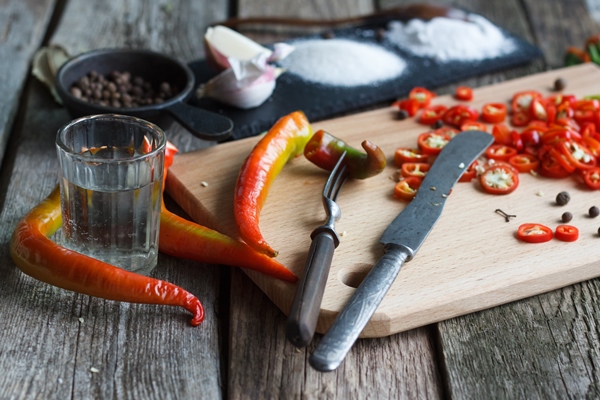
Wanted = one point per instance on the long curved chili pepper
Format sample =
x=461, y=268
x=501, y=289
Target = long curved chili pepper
x=39, y=257
x=185, y=239
x=285, y=140
x=324, y=150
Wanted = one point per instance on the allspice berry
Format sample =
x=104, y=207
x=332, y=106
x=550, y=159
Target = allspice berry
x=594, y=212
x=567, y=217
x=563, y=198
x=559, y=84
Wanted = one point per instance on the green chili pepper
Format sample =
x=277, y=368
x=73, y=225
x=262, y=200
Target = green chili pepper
x=323, y=149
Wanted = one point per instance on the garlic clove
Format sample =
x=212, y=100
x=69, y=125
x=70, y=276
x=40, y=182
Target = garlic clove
x=222, y=43
x=251, y=91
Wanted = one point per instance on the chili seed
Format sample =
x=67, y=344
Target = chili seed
x=402, y=114
x=559, y=84
x=594, y=212
x=563, y=198
x=567, y=217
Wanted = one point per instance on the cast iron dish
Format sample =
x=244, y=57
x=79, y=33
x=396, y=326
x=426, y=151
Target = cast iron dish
x=154, y=68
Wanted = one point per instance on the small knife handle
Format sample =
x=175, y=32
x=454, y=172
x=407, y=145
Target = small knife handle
x=302, y=319
x=355, y=315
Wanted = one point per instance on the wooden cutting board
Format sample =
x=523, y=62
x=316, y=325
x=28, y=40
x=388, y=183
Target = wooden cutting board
x=471, y=260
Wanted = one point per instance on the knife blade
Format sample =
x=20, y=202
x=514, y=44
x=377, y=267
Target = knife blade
x=401, y=240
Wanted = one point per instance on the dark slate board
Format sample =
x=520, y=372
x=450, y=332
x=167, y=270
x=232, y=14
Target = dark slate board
x=321, y=102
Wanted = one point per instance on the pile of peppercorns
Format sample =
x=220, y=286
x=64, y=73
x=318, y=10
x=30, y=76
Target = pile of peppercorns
x=563, y=199
x=120, y=90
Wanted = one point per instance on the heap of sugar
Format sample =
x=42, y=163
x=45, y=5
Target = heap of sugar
x=447, y=39
x=342, y=62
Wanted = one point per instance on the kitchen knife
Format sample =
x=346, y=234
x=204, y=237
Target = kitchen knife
x=401, y=239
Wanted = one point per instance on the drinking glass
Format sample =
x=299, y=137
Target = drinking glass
x=111, y=173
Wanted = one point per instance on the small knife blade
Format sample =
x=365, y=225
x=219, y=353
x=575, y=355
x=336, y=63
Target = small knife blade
x=401, y=239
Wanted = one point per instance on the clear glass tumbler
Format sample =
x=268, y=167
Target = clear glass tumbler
x=111, y=173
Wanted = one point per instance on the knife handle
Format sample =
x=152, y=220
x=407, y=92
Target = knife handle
x=355, y=315
x=302, y=320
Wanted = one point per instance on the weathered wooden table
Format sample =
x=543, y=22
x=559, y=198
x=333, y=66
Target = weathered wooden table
x=59, y=344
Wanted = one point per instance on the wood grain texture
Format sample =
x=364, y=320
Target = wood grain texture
x=454, y=272
x=546, y=346
x=23, y=25
x=58, y=344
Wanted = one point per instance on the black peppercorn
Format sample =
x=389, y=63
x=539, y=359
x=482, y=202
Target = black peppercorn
x=594, y=212
x=567, y=217
x=437, y=124
x=402, y=114
x=563, y=198
x=559, y=84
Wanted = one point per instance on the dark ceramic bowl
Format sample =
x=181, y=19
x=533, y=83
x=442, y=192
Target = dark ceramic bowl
x=154, y=68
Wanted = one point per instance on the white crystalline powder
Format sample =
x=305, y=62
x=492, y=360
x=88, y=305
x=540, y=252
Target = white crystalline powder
x=447, y=39
x=342, y=62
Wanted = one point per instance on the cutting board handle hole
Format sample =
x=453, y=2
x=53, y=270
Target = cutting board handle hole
x=353, y=278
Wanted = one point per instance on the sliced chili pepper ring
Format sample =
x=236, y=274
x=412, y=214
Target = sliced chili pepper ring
x=534, y=233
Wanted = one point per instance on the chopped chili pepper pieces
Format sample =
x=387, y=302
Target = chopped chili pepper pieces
x=411, y=106
x=414, y=169
x=493, y=113
x=432, y=114
x=520, y=118
x=284, y=141
x=406, y=189
x=421, y=95
x=474, y=126
x=534, y=233
x=524, y=162
x=456, y=115
x=499, y=178
x=566, y=233
x=403, y=155
x=464, y=93
x=521, y=101
x=432, y=143
x=500, y=152
x=591, y=178
x=577, y=154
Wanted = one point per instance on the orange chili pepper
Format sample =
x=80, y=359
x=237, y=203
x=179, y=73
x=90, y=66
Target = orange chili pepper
x=39, y=257
x=285, y=140
x=185, y=239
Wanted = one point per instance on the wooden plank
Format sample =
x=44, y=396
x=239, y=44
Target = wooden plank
x=53, y=341
x=546, y=346
x=22, y=28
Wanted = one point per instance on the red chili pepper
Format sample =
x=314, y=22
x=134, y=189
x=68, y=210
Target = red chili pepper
x=577, y=154
x=471, y=172
x=39, y=257
x=404, y=154
x=432, y=114
x=520, y=118
x=406, y=189
x=521, y=101
x=493, y=113
x=464, y=93
x=411, y=106
x=566, y=233
x=414, y=169
x=422, y=96
x=591, y=178
x=285, y=140
x=499, y=178
x=324, y=150
x=534, y=233
x=549, y=166
x=458, y=114
x=500, y=152
x=432, y=142
x=473, y=125
x=524, y=162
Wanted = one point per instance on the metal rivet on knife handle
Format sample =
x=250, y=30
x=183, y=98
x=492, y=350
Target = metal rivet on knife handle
x=401, y=239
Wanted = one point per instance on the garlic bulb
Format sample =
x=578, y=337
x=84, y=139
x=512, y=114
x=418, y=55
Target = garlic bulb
x=246, y=79
x=247, y=84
